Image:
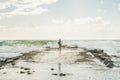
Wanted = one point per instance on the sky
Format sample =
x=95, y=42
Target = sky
x=54, y=19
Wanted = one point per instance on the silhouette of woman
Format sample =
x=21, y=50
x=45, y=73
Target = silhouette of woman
x=59, y=44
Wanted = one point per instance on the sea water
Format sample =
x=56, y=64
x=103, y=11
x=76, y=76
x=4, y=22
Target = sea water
x=16, y=46
x=11, y=48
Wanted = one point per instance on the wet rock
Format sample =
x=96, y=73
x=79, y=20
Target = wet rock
x=75, y=46
x=26, y=68
x=115, y=56
x=55, y=74
x=103, y=57
x=4, y=72
x=47, y=47
x=2, y=63
x=83, y=53
x=96, y=51
x=52, y=69
x=105, y=62
x=61, y=74
x=12, y=60
x=21, y=67
x=110, y=64
x=13, y=64
x=9, y=60
x=28, y=72
x=33, y=71
x=1, y=68
x=22, y=72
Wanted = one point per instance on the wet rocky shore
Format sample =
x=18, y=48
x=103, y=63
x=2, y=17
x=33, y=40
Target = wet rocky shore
x=99, y=54
x=103, y=57
x=13, y=60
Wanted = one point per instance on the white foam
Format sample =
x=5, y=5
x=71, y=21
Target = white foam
x=107, y=46
x=15, y=50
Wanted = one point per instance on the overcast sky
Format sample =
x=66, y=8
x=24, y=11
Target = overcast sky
x=54, y=19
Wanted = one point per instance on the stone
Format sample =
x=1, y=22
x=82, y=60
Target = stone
x=28, y=72
x=22, y=72
x=110, y=64
x=52, y=69
x=96, y=51
x=61, y=74
x=26, y=68
x=21, y=67
x=55, y=74
x=4, y=72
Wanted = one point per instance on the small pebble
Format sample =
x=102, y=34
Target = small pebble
x=28, y=72
x=21, y=72
x=21, y=67
x=4, y=72
x=61, y=74
x=26, y=68
x=52, y=69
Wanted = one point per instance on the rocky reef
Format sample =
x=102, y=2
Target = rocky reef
x=103, y=57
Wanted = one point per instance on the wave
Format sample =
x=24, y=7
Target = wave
x=25, y=42
x=11, y=48
x=17, y=46
x=110, y=46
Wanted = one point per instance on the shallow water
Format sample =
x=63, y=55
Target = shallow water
x=17, y=46
x=73, y=72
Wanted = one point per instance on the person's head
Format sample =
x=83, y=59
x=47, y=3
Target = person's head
x=59, y=39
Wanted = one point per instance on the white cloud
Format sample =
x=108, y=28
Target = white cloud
x=82, y=21
x=23, y=7
x=77, y=28
x=56, y=21
x=90, y=28
x=81, y=28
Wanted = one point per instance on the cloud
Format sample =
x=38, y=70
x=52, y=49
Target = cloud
x=71, y=28
x=10, y=8
x=81, y=28
x=56, y=21
x=82, y=21
x=77, y=28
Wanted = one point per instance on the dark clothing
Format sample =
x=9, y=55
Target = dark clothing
x=59, y=43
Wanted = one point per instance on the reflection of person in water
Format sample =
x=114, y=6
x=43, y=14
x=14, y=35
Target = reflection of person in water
x=60, y=44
